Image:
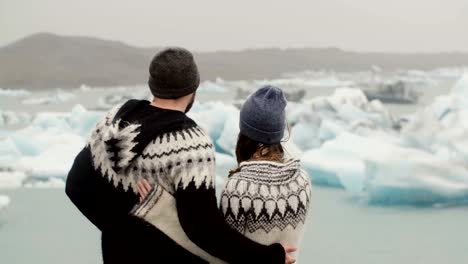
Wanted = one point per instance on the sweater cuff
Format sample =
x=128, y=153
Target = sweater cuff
x=277, y=253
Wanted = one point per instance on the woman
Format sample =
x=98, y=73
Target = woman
x=266, y=198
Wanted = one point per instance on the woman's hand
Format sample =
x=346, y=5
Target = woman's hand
x=144, y=188
x=289, y=250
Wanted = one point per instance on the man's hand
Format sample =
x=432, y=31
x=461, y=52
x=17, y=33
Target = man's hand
x=144, y=188
x=289, y=250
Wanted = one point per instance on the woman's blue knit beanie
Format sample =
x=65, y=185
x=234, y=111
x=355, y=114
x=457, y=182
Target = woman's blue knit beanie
x=262, y=117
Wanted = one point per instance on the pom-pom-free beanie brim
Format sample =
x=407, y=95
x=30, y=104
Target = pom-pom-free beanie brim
x=165, y=92
x=265, y=137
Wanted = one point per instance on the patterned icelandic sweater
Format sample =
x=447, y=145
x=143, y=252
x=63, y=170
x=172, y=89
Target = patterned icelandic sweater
x=268, y=201
x=179, y=221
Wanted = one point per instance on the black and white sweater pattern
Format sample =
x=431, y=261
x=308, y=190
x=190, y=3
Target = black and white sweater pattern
x=268, y=201
x=177, y=157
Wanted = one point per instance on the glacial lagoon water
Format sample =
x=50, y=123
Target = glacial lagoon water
x=41, y=226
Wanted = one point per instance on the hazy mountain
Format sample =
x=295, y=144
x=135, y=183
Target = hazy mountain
x=48, y=61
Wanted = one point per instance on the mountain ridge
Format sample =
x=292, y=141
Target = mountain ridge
x=46, y=60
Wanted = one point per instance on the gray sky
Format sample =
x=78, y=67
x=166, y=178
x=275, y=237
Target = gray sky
x=361, y=25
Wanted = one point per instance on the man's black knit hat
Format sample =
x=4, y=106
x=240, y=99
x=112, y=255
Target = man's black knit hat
x=173, y=73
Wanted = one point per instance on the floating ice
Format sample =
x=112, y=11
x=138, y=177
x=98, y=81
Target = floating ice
x=13, y=93
x=423, y=164
x=85, y=88
x=228, y=138
x=442, y=127
x=108, y=101
x=327, y=82
x=82, y=120
x=212, y=87
x=323, y=118
x=46, y=183
x=46, y=148
x=330, y=81
x=213, y=117
x=386, y=173
x=224, y=163
x=12, y=179
x=4, y=201
x=291, y=150
x=461, y=87
x=121, y=94
x=9, y=153
x=10, y=118
x=57, y=97
x=55, y=160
x=344, y=140
x=448, y=73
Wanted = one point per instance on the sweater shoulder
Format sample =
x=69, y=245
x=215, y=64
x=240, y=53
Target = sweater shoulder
x=269, y=181
x=187, y=136
x=181, y=156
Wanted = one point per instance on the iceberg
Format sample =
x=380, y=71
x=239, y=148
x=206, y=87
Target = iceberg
x=84, y=88
x=55, y=160
x=228, y=139
x=422, y=164
x=344, y=141
x=292, y=81
x=46, y=148
x=47, y=183
x=291, y=150
x=385, y=173
x=13, y=92
x=212, y=87
x=347, y=109
x=10, y=118
x=213, y=117
x=442, y=127
x=224, y=164
x=120, y=94
x=10, y=179
x=4, y=201
x=327, y=168
x=448, y=73
x=9, y=153
x=108, y=101
x=57, y=97
x=83, y=121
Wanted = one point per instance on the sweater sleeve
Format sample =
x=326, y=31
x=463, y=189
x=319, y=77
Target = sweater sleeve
x=202, y=221
x=204, y=225
x=97, y=199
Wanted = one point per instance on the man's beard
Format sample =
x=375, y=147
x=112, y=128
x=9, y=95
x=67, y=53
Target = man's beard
x=189, y=106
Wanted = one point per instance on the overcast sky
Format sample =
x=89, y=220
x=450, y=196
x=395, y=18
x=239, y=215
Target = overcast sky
x=361, y=25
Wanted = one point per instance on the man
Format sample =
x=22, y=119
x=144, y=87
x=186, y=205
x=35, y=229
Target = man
x=178, y=222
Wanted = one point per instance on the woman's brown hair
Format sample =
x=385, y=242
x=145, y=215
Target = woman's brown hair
x=248, y=149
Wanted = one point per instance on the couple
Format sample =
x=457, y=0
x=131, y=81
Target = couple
x=146, y=176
